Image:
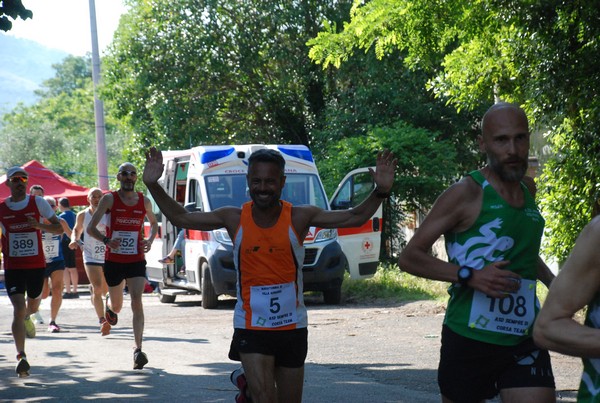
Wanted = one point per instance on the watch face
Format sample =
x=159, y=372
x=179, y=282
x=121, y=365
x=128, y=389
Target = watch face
x=464, y=273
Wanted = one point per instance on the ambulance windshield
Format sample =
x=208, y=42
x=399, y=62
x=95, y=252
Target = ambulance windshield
x=231, y=190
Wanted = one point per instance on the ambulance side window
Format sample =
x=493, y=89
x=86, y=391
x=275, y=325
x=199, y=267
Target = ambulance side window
x=194, y=194
x=353, y=192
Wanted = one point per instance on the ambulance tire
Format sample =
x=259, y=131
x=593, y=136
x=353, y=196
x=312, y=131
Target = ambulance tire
x=333, y=296
x=209, y=296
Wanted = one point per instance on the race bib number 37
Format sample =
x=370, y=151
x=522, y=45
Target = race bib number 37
x=513, y=314
x=273, y=305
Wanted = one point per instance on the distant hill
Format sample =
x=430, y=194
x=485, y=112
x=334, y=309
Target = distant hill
x=24, y=65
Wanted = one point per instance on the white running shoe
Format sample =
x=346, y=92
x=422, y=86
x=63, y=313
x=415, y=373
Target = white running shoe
x=37, y=318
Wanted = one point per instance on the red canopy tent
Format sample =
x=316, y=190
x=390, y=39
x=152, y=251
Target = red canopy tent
x=54, y=185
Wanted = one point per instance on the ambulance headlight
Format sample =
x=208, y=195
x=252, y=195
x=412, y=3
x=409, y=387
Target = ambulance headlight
x=326, y=235
x=221, y=236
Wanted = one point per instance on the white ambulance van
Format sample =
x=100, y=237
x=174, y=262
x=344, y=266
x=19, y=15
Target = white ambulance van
x=205, y=178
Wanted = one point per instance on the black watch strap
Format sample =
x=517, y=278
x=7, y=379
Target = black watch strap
x=105, y=240
x=464, y=274
x=380, y=194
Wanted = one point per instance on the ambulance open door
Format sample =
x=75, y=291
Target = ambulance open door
x=361, y=244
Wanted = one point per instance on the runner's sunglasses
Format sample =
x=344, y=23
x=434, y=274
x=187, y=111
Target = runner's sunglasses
x=16, y=179
x=128, y=173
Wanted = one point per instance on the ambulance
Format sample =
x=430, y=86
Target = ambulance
x=205, y=178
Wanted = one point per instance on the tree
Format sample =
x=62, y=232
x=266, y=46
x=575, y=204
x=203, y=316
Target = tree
x=59, y=130
x=538, y=54
x=215, y=72
x=12, y=9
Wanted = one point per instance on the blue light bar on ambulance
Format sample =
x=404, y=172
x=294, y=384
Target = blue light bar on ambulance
x=300, y=153
x=210, y=156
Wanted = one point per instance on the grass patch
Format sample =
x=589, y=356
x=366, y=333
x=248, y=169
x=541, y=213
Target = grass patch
x=392, y=284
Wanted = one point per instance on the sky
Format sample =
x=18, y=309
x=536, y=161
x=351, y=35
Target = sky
x=65, y=24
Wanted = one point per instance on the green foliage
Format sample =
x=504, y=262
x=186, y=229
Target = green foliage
x=59, y=130
x=542, y=55
x=206, y=72
x=427, y=164
x=12, y=9
x=216, y=72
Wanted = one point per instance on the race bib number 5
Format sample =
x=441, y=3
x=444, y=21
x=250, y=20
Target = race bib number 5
x=273, y=305
x=23, y=244
x=513, y=314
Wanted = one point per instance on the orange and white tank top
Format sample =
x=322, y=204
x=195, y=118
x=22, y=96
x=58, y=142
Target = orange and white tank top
x=126, y=223
x=269, y=274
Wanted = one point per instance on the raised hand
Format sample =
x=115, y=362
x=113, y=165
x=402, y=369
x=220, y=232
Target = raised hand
x=385, y=171
x=154, y=166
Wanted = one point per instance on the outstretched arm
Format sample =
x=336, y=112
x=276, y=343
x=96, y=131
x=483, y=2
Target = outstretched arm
x=383, y=176
x=575, y=287
x=179, y=216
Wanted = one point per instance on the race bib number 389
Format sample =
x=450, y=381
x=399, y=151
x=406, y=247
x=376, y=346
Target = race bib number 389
x=273, y=305
x=23, y=244
x=513, y=314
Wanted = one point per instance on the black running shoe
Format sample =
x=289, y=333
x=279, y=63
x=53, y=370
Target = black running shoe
x=139, y=359
x=22, y=366
x=111, y=317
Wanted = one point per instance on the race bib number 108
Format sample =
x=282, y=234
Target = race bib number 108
x=513, y=314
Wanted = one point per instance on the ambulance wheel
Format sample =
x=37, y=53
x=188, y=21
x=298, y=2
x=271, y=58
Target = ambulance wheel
x=333, y=296
x=209, y=296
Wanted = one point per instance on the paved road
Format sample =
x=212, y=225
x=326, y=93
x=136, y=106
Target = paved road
x=356, y=353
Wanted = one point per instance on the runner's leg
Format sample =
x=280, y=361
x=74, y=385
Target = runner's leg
x=260, y=375
x=135, y=285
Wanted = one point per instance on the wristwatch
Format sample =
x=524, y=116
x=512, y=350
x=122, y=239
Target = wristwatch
x=105, y=240
x=464, y=274
x=380, y=194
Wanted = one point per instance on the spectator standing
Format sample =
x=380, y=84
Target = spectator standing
x=71, y=277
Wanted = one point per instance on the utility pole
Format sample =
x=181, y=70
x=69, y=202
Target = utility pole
x=98, y=104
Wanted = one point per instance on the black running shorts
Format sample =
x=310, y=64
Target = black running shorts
x=68, y=253
x=115, y=273
x=289, y=347
x=471, y=371
x=19, y=281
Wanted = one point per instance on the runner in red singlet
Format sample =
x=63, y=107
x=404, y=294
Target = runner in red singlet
x=24, y=262
x=124, y=259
